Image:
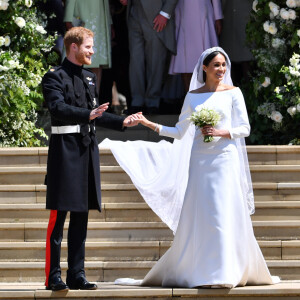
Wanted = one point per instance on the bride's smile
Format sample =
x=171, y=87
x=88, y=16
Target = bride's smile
x=216, y=68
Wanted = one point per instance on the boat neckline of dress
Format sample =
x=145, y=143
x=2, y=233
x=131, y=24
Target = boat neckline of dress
x=215, y=91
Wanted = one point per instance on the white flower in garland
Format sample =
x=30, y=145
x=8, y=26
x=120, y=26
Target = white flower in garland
x=266, y=26
x=254, y=5
x=267, y=82
x=28, y=3
x=3, y=68
x=276, y=116
x=277, y=90
x=13, y=64
x=7, y=41
x=291, y=3
x=277, y=42
x=298, y=32
x=4, y=4
x=274, y=8
x=40, y=29
x=2, y=41
x=294, y=71
x=284, y=14
x=20, y=22
x=294, y=60
x=292, y=110
x=292, y=14
x=298, y=107
x=270, y=27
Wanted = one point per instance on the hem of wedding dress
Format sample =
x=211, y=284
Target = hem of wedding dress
x=139, y=282
x=276, y=279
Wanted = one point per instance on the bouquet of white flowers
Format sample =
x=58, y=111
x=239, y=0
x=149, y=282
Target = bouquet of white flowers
x=203, y=117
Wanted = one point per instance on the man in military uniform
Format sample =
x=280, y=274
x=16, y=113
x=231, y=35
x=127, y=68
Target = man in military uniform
x=73, y=175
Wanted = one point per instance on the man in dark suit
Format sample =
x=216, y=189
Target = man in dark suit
x=73, y=175
x=151, y=33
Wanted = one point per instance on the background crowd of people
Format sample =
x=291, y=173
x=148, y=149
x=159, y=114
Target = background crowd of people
x=145, y=50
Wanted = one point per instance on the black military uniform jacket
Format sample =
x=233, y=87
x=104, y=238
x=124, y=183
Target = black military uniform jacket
x=73, y=170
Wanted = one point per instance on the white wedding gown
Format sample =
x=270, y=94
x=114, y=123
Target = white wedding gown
x=214, y=243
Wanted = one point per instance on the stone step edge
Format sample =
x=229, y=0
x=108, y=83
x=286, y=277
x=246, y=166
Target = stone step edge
x=123, y=264
x=42, y=187
x=42, y=169
x=130, y=186
x=252, y=149
x=141, y=206
x=134, y=244
x=117, y=169
x=138, y=225
x=108, y=290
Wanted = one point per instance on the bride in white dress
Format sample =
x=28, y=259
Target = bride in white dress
x=210, y=187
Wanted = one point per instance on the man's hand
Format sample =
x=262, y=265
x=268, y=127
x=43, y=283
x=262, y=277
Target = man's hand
x=218, y=26
x=69, y=25
x=97, y=112
x=160, y=22
x=133, y=120
x=124, y=2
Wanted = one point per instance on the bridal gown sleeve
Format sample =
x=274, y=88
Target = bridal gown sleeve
x=183, y=123
x=241, y=126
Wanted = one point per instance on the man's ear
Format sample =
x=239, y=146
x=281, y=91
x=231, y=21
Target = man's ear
x=74, y=47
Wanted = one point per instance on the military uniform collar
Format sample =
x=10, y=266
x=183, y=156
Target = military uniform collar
x=77, y=70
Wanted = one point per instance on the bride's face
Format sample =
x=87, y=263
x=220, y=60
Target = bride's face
x=216, y=69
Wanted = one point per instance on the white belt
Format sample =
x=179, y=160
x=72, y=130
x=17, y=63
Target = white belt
x=65, y=129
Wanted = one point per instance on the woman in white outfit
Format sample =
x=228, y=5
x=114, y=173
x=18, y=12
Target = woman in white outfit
x=214, y=243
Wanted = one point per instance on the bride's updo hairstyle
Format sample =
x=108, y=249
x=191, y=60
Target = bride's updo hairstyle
x=208, y=59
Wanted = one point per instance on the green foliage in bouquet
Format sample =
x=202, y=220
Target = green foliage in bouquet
x=24, y=57
x=204, y=116
x=273, y=98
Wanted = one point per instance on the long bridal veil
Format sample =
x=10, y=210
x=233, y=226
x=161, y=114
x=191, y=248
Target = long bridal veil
x=159, y=171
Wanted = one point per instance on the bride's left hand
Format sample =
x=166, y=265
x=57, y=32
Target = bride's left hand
x=210, y=130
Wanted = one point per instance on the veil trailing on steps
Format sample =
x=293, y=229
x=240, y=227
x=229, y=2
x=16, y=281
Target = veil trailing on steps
x=160, y=170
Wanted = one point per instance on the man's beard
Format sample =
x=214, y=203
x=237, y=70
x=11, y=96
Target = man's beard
x=80, y=57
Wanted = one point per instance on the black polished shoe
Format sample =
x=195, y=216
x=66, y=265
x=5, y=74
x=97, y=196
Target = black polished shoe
x=56, y=284
x=81, y=284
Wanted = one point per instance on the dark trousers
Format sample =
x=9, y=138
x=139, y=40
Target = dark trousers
x=148, y=57
x=76, y=244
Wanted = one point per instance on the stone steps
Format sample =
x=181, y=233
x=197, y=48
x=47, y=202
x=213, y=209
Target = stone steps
x=107, y=290
x=123, y=193
x=115, y=174
x=140, y=212
x=262, y=155
x=127, y=238
x=30, y=193
x=131, y=250
x=140, y=231
x=110, y=270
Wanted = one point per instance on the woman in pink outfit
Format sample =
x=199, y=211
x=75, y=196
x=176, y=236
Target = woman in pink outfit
x=198, y=24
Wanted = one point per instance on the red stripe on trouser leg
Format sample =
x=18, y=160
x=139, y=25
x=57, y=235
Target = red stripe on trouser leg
x=51, y=225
